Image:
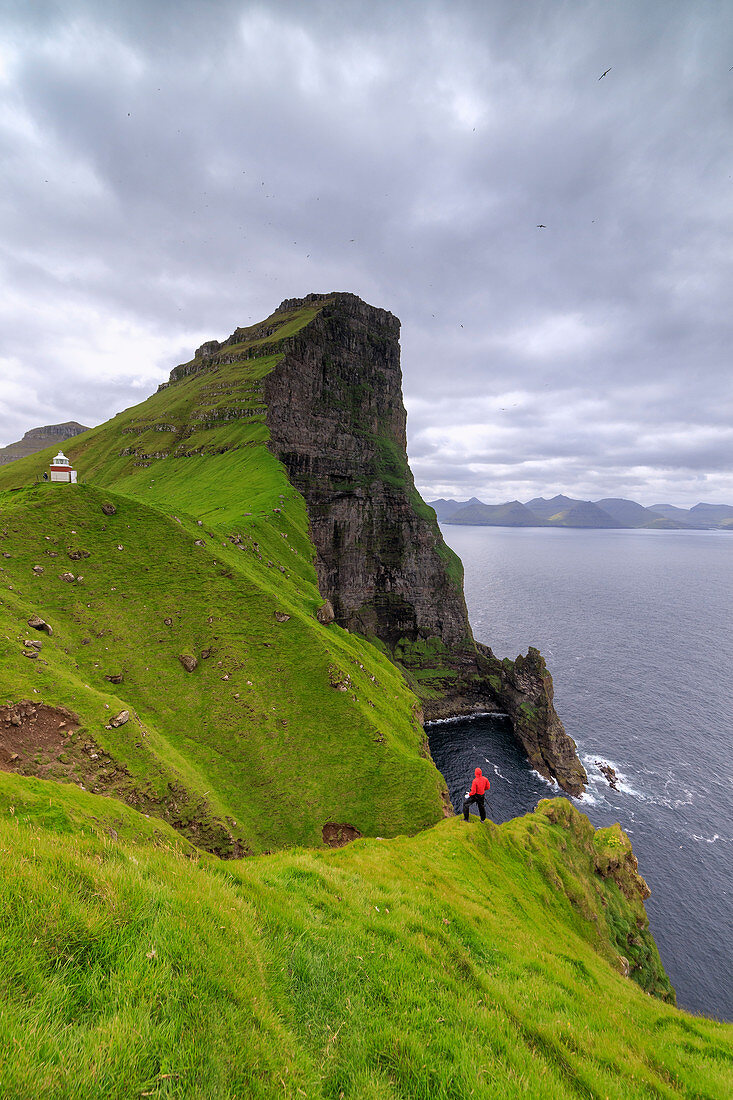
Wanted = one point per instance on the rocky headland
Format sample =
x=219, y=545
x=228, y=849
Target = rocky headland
x=337, y=422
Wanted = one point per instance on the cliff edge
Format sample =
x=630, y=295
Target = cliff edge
x=334, y=410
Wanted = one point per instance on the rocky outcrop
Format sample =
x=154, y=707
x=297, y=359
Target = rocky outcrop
x=526, y=693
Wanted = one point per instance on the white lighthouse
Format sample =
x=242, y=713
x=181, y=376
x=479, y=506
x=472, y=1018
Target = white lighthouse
x=61, y=469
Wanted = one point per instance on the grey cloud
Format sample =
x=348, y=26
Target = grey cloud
x=206, y=161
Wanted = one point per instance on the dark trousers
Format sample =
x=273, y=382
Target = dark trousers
x=479, y=800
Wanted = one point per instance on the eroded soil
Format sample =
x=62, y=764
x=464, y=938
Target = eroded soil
x=336, y=836
x=48, y=742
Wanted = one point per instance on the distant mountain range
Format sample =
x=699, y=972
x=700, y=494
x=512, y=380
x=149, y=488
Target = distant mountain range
x=562, y=511
x=37, y=439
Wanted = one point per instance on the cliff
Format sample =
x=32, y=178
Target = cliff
x=333, y=406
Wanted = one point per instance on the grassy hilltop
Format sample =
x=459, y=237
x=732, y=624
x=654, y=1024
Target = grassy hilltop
x=455, y=960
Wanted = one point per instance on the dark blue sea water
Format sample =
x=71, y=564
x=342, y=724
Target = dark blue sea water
x=637, y=630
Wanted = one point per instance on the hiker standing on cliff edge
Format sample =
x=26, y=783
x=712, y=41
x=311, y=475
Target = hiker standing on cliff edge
x=479, y=787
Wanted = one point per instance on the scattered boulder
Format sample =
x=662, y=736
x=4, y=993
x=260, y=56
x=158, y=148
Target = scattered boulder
x=77, y=555
x=199, y=542
x=206, y=653
x=281, y=616
x=68, y=577
x=325, y=613
x=38, y=569
x=609, y=773
x=188, y=662
x=338, y=679
x=117, y=678
x=120, y=719
x=28, y=642
x=31, y=653
x=37, y=623
x=168, y=622
x=109, y=509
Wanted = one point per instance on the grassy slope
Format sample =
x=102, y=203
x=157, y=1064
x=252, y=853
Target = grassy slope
x=276, y=747
x=468, y=960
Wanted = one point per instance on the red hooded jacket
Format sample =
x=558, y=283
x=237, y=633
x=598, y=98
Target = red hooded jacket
x=480, y=784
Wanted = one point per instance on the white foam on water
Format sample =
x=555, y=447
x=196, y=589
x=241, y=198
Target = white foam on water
x=466, y=718
x=590, y=799
x=552, y=783
x=597, y=778
x=706, y=839
x=497, y=772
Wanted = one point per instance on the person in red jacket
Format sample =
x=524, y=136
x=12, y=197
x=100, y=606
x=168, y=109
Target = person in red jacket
x=479, y=787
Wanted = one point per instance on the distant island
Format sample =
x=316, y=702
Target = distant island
x=562, y=511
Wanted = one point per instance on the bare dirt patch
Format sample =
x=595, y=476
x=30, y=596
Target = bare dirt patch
x=336, y=836
x=33, y=737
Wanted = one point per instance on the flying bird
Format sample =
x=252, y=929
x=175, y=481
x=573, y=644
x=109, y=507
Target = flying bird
x=542, y=227
x=605, y=74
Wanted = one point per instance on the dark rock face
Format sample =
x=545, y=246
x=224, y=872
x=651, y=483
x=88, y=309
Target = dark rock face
x=337, y=422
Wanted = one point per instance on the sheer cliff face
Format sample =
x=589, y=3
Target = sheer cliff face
x=337, y=422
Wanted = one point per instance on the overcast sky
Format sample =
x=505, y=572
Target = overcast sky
x=172, y=169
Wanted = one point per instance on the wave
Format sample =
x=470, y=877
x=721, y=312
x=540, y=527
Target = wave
x=466, y=718
x=623, y=784
x=552, y=783
x=496, y=771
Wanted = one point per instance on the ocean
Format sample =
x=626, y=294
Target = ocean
x=636, y=629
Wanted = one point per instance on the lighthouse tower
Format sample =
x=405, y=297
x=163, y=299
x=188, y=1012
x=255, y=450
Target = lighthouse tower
x=61, y=469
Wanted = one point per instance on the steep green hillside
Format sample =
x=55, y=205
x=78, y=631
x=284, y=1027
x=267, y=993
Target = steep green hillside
x=283, y=727
x=470, y=960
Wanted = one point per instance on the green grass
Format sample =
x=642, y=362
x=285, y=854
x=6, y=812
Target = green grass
x=468, y=960
x=257, y=733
